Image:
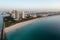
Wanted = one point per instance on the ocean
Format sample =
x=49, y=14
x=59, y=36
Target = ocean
x=43, y=29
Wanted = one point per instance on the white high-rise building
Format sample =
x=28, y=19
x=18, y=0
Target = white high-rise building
x=15, y=14
x=23, y=14
x=18, y=15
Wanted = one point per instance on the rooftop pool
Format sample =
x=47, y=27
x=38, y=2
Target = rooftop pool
x=43, y=29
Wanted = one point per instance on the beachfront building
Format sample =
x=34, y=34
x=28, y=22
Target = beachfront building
x=33, y=15
x=18, y=15
x=42, y=14
x=15, y=14
x=54, y=13
x=23, y=15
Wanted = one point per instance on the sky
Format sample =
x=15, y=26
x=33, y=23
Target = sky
x=25, y=4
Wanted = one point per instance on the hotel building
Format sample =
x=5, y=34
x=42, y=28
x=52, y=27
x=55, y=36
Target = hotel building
x=15, y=14
x=18, y=15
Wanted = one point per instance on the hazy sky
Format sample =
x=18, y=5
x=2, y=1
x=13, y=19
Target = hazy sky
x=42, y=4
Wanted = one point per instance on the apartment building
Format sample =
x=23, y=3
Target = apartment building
x=15, y=14
x=18, y=15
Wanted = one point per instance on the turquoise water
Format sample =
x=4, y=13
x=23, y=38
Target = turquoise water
x=43, y=29
x=1, y=22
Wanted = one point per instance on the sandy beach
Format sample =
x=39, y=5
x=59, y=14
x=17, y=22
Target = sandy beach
x=18, y=25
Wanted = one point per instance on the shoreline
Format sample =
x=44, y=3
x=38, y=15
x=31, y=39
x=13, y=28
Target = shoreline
x=18, y=25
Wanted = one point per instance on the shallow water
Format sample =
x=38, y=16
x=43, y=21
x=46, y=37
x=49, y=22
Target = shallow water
x=43, y=29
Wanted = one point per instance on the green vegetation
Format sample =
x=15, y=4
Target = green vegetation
x=10, y=21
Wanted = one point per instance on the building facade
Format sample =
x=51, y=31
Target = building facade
x=15, y=14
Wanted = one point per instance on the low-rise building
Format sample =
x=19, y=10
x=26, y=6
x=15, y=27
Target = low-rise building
x=33, y=14
x=5, y=14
